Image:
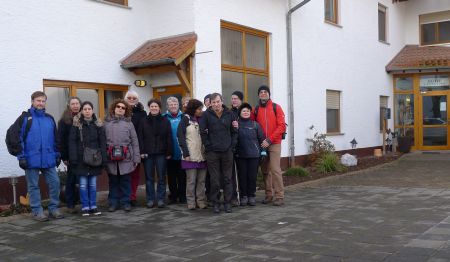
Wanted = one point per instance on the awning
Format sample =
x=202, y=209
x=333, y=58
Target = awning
x=168, y=54
x=415, y=58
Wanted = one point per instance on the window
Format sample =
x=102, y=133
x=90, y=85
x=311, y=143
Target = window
x=383, y=106
x=331, y=11
x=435, y=28
x=404, y=105
x=382, y=23
x=101, y=95
x=245, y=62
x=333, y=111
x=119, y=2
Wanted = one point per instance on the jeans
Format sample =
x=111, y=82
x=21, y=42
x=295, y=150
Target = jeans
x=88, y=192
x=220, y=166
x=119, y=190
x=52, y=179
x=247, y=171
x=71, y=188
x=177, y=180
x=158, y=160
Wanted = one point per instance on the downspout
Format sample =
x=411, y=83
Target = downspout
x=291, y=82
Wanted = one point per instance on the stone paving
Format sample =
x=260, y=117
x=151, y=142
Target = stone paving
x=338, y=219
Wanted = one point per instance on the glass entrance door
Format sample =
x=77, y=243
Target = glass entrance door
x=434, y=127
x=162, y=93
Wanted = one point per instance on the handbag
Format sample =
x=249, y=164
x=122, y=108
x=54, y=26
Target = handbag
x=117, y=153
x=91, y=156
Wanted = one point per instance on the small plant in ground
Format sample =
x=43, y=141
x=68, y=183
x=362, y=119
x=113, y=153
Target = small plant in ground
x=329, y=162
x=319, y=145
x=296, y=171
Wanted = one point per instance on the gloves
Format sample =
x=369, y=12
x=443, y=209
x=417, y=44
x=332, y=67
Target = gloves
x=23, y=164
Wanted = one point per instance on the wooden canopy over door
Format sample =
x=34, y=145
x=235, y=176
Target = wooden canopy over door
x=169, y=54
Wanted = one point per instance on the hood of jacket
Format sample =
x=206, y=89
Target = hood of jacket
x=79, y=119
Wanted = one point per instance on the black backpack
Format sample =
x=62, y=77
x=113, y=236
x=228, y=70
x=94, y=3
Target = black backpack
x=274, y=106
x=12, y=140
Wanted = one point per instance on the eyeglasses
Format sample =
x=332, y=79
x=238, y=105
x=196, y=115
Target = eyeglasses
x=121, y=107
x=132, y=98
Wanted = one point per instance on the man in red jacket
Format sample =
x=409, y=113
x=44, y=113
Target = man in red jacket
x=271, y=118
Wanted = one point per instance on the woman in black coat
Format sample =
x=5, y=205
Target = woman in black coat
x=87, y=131
x=64, y=126
x=155, y=145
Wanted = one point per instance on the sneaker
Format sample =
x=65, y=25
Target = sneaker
x=278, y=202
x=202, y=205
x=227, y=208
x=191, y=207
x=56, y=214
x=244, y=201
x=127, y=208
x=251, y=201
x=150, y=204
x=95, y=212
x=133, y=203
x=267, y=200
x=216, y=208
x=112, y=209
x=85, y=213
x=39, y=217
x=161, y=204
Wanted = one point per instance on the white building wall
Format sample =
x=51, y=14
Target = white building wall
x=265, y=15
x=413, y=9
x=348, y=58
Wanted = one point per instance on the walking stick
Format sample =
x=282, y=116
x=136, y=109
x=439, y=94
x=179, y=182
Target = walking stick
x=237, y=184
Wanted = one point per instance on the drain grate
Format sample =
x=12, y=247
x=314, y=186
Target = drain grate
x=431, y=153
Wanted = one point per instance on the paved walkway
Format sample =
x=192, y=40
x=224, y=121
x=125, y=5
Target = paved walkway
x=372, y=216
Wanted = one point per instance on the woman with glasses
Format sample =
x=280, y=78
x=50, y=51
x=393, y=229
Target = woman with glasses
x=87, y=131
x=138, y=112
x=155, y=142
x=123, y=154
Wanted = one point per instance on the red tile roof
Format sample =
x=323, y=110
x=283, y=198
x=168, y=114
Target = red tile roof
x=413, y=57
x=161, y=51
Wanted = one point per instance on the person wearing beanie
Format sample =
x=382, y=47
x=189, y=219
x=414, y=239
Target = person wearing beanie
x=271, y=118
x=248, y=151
x=237, y=97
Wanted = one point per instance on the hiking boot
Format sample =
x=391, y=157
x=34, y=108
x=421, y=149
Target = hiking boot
x=56, y=214
x=133, y=203
x=72, y=210
x=150, y=204
x=267, y=200
x=252, y=201
x=95, y=212
x=161, y=204
x=227, y=208
x=112, y=209
x=234, y=203
x=85, y=213
x=39, y=217
x=202, y=205
x=244, y=201
x=127, y=208
x=278, y=202
x=216, y=208
x=191, y=207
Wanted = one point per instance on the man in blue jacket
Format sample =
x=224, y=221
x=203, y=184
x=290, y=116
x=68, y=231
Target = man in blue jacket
x=39, y=154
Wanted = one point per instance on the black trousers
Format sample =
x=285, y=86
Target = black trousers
x=177, y=180
x=247, y=170
x=220, y=165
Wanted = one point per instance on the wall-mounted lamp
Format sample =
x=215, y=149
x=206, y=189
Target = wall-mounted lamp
x=140, y=83
x=354, y=143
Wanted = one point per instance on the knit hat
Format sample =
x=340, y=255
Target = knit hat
x=238, y=94
x=245, y=105
x=264, y=87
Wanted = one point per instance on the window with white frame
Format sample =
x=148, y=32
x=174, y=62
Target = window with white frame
x=333, y=111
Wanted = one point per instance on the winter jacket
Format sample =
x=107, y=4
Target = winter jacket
x=249, y=139
x=93, y=137
x=273, y=125
x=40, y=147
x=218, y=134
x=155, y=135
x=137, y=115
x=190, y=140
x=120, y=132
x=174, y=122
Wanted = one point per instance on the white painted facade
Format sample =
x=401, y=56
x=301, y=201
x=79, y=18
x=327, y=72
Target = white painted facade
x=84, y=40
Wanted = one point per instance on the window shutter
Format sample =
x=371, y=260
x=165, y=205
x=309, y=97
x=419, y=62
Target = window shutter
x=434, y=17
x=333, y=101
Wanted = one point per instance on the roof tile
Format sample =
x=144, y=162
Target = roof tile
x=420, y=57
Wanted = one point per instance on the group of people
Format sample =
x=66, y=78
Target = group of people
x=201, y=152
